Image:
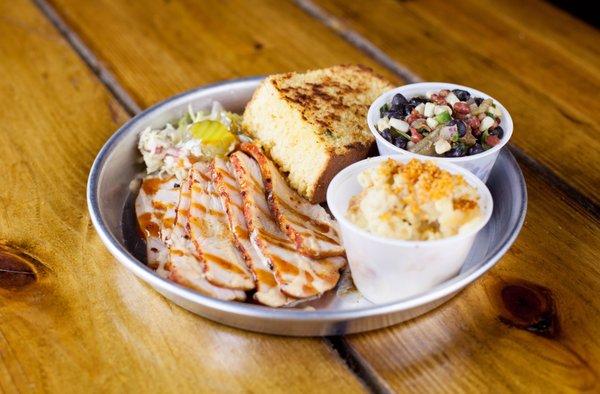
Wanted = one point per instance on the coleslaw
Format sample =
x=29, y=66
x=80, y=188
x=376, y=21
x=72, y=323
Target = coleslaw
x=198, y=135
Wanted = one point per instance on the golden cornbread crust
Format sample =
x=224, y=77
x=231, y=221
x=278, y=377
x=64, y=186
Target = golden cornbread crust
x=315, y=119
x=335, y=101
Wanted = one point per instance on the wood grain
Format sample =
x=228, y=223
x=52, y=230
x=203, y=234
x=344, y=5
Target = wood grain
x=168, y=47
x=86, y=324
x=470, y=344
x=542, y=64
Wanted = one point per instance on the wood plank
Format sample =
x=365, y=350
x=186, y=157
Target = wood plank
x=542, y=64
x=469, y=345
x=86, y=323
x=168, y=47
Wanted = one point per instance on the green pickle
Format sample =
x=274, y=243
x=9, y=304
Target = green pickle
x=214, y=136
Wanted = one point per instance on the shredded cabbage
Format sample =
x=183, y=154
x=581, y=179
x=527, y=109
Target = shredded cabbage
x=172, y=150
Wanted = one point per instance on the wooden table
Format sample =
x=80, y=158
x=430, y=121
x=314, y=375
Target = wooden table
x=72, y=319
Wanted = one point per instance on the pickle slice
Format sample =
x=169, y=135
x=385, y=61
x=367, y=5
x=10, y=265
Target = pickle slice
x=214, y=135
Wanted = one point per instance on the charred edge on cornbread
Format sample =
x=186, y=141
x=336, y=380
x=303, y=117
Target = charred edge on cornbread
x=320, y=113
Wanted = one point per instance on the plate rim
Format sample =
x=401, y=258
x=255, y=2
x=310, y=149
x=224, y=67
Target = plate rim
x=141, y=270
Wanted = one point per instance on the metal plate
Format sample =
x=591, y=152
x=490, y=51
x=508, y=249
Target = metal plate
x=337, y=313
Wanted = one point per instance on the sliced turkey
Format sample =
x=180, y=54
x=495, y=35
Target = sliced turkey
x=184, y=266
x=224, y=265
x=267, y=290
x=157, y=199
x=308, y=225
x=298, y=275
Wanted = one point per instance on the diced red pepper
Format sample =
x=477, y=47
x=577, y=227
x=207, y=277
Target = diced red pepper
x=414, y=115
x=492, y=140
x=439, y=100
x=415, y=135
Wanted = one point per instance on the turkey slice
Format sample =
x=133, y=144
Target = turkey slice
x=184, y=266
x=224, y=265
x=297, y=275
x=308, y=225
x=267, y=290
x=155, y=204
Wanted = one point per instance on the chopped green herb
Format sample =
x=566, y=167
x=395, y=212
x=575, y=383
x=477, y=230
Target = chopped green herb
x=423, y=129
x=483, y=139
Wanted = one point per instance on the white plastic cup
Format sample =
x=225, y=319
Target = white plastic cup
x=386, y=269
x=480, y=164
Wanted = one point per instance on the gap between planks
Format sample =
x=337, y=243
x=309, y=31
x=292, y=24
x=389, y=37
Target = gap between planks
x=356, y=39
x=99, y=69
x=355, y=363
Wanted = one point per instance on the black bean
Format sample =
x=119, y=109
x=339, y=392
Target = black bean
x=387, y=134
x=475, y=149
x=456, y=151
x=478, y=100
x=498, y=131
x=462, y=95
x=398, y=113
x=398, y=109
x=418, y=100
x=399, y=100
x=400, y=142
x=460, y=126
x=408, y=109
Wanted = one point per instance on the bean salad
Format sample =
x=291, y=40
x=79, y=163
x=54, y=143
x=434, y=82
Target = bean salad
x=446, y=123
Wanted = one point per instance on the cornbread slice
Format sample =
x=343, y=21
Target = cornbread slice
x=313, y=124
